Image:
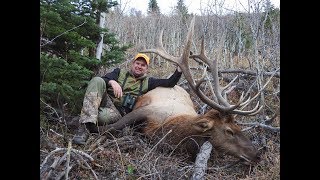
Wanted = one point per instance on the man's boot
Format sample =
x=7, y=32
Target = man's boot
x=83, y=133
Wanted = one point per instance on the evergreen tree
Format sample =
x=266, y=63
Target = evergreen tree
x=182, y=11
x=273, y=16
x=153, y=7
x=181, y=8
x=69, y=31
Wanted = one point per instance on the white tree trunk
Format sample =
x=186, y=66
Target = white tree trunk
x=99, y=48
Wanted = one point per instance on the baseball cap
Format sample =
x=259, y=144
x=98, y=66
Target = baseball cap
x=144, y=56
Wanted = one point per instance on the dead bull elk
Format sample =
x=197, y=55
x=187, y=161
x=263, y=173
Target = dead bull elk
x=170, y=111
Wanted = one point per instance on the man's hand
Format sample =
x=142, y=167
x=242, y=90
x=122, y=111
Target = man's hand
x=117, y=90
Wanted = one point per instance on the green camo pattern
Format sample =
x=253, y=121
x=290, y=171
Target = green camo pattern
x=92, y=99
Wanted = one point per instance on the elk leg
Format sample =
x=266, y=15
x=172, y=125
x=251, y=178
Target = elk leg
x=137, y=116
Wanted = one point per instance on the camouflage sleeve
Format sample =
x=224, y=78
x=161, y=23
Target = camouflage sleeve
x=111, y=75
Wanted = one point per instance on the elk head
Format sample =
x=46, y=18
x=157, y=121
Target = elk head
x=217, y=124
x=226, y=136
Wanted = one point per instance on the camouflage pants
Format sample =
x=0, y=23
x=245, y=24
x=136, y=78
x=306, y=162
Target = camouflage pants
x=97, y=105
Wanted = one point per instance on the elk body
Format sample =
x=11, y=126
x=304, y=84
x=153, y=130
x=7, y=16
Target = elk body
x=165, y=109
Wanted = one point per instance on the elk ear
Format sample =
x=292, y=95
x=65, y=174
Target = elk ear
x=203, y=125
x=213, y=114
x=216, y=115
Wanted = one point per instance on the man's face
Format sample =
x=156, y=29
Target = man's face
x=139, y=67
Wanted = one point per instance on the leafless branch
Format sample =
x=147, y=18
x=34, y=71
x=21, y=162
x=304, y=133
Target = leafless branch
x=248, y=72
x=256, y=124
x=66, y=156
x=50, y=107
x=201, y=161
x=156, y=145
x=85, y=21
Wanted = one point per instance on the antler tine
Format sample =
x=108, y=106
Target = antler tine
x=210, y=85
x=201, y=56
x=225, y=87
x=224, y=90
x=246, y=102
x=225, y=107
x=214, y=70
x=254, y=110
x=183, y=62
x=196, y=88
x=220, y=93
x=186, y=51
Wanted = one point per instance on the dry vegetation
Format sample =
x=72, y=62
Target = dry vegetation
x=129, y=155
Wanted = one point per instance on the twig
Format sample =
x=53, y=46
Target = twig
x=83, y=154
x=85, y=21
x=52, y=109
x=65, y=149
x=52, y=167
x=49, y=155
x=189, y=168
x=67, y=156
x=56, y=133
x=155, y=145
x=96, y=144
x=248, y=72
x=270, y=120
x=62, y=159
x=68, y=160
x=147, y=175
x=256, y=124
x=224, y=167
x=176, y=146
x=62, y=173
x=120, y=154
x=88, y=166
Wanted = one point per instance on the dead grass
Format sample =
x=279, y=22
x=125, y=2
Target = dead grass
x=129, y=155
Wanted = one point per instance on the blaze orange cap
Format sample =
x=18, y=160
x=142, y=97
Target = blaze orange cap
x=144, y=56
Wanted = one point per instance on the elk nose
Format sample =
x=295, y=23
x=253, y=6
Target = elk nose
x=253, y=154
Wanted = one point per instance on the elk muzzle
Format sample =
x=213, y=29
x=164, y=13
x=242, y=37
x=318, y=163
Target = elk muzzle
x=249, y=155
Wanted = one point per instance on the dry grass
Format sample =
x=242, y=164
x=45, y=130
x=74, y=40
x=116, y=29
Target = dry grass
x=129, y=155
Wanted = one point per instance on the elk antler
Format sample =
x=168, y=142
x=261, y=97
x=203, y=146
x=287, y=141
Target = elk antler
x=220, y=102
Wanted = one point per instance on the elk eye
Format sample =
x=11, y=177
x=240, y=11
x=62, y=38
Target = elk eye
x=229, y=132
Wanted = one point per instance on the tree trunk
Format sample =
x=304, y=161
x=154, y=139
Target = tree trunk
x=100, y=44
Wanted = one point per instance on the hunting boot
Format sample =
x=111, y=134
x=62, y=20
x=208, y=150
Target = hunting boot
x=88, y=118
x=83, y=133
x=89, y=112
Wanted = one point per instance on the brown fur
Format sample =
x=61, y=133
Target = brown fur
x=166, y=109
